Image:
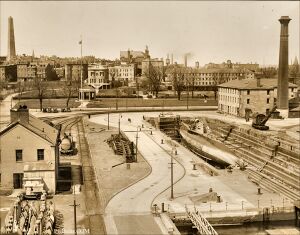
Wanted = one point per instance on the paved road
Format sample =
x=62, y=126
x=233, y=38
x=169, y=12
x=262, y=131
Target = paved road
x=137, y=199
x=5, y=107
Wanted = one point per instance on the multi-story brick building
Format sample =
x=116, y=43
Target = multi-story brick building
x=31, y=71
x=206, y=79
x=230, y=65
x=136, y=58
x=22, y=71
x=8, y=73
x=98, y=77
x=124, y=73
x=73, y=71
x=248, y=96
x=157, y=64
x=27, y=71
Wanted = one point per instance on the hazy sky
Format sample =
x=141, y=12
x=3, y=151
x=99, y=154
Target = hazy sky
x=210, y=31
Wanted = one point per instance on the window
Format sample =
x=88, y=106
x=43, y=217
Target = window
x=40, y=154
x=19, y=155
x=248, y=101
x=268, y=100
x=248, y=92
x=268, y=92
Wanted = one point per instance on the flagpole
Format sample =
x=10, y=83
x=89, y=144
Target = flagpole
x=81, y=61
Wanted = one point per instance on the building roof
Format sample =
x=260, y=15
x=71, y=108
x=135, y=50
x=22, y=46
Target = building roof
x=134, y=54
x=97, y=67
x=38, y=127
x=208, y=70
x=246, y=84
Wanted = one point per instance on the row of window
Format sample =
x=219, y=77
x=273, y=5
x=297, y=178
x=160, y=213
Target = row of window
x=94, y=80
x=40, y=155
x=229, y=98
x=97, y=74
x=268, y=100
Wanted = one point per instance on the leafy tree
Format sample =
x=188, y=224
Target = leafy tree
x=69, y=89
x=41, y=86
x=178, y=77
x=154, y=75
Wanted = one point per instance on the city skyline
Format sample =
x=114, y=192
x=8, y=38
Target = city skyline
x=210, y=31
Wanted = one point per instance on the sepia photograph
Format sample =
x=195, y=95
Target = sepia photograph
x=149, y=117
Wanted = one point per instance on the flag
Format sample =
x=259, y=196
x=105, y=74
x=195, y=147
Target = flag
x=80, y=42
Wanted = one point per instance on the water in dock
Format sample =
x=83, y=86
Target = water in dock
x=255, y=228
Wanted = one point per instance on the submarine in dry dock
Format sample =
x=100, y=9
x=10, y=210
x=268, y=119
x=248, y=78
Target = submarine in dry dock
x=194, y=138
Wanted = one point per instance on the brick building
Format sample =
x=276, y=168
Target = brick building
x=238, y=97
x=206, y=79
x=124, y=73
x=73, y=71
x=98, y=77
x=8, y=73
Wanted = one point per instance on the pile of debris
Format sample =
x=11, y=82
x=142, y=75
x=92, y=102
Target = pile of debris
x=122, y=146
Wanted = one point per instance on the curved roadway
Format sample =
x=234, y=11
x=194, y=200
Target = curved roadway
x=129, y=212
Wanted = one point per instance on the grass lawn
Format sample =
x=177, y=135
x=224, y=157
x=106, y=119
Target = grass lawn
x=134, y=102
x=54, y=103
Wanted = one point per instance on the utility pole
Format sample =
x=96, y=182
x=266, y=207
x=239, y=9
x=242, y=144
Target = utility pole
x=172, y=188
x=188, y=93
x=119, y=125
x=108, y=120
x=75, y=219
x=117, y=98
x=136, y=143
x=172, y=177
x=81, y=61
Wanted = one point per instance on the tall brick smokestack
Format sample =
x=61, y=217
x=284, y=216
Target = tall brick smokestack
x=11, y=50
x=283, y=81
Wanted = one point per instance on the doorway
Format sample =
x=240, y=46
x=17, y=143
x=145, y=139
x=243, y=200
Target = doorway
x=18, y=180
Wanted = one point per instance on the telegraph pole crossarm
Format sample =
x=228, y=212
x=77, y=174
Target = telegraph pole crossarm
x=75, y=219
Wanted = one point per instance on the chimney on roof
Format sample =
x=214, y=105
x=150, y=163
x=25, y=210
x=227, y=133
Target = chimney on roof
x=21, y=114
x=197, y=64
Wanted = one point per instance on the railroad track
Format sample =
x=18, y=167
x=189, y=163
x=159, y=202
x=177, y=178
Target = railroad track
x=95, y=201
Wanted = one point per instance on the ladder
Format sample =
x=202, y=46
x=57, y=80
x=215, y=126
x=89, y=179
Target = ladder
x=203, y=226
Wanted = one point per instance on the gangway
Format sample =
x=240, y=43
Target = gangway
x=200, y=222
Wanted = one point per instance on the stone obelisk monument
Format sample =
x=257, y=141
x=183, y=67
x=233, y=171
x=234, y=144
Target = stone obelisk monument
x=11, y=50
x=283, y=69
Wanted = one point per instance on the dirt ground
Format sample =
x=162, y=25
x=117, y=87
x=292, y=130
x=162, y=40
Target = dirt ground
x=111, y=179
